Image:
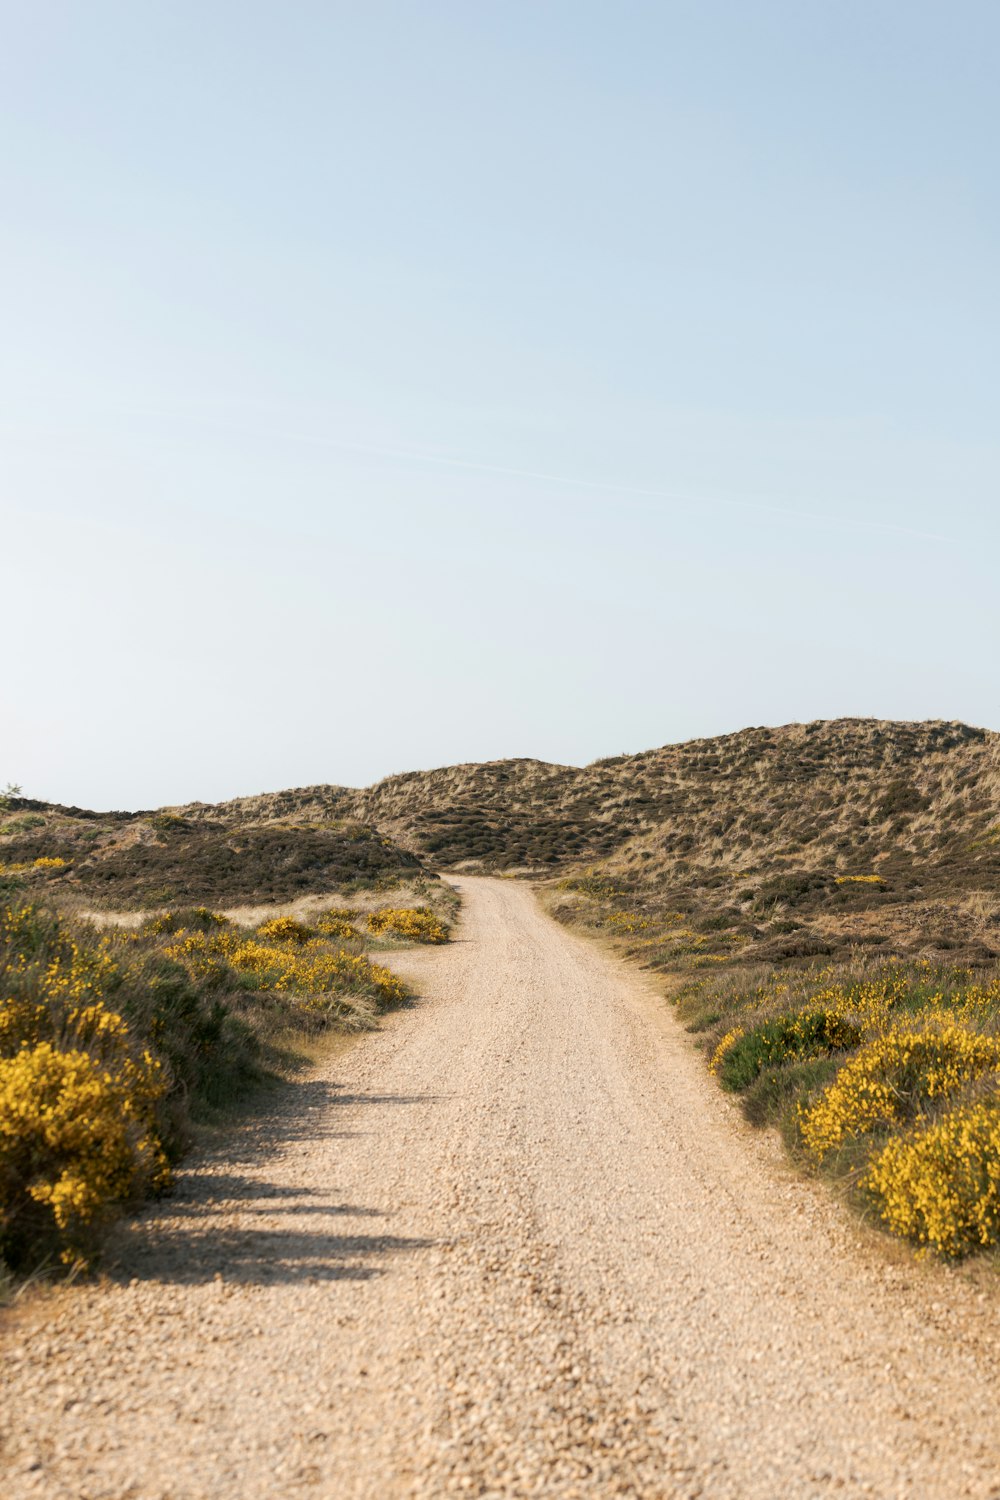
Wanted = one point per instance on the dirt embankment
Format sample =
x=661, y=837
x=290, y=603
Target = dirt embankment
x=513, y=1244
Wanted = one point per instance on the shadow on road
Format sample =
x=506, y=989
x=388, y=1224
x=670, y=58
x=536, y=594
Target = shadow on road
x=237, y=1213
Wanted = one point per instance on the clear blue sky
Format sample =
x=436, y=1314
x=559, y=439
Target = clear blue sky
x=385, y=385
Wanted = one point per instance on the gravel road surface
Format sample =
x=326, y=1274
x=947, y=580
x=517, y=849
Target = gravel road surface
x=513, y=1244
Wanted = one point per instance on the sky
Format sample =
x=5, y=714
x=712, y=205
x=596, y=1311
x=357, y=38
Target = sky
x=388, y=385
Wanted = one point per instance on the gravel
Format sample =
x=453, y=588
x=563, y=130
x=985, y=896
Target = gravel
x=513, y=1244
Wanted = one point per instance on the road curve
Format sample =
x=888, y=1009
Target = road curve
x=513, y=1244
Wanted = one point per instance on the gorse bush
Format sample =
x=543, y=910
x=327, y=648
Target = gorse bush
x=339, y=922
x=891, y=1079
x=939, y=1184
x=626, y=921
x=285, y=930
x=417, y=924
x=84, y=1122
x=888, y=1077
x=741, y=1056
x=77, y=1138
x=111, y=1041
x=312, y=969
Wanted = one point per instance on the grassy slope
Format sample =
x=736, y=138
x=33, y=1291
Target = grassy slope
x=142, y=860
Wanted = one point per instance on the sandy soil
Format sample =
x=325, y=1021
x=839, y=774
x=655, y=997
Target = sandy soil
x=513, y=1244
x=305, y=907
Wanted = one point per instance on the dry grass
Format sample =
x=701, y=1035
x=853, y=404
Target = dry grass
x=119, y=861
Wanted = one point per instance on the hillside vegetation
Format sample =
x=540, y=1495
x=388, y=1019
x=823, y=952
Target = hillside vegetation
x=138, y=860
x=922, y=801
x=808, y=841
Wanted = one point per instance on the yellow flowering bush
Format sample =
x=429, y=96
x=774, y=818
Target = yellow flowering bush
x=307, y=968
x=626, y=921
x=26, y=866
x=813, y=1032
x=58, y=994
x=887, y=1073
x=284, y=930
x=76, y=1140
x=81, y=1098
x=891, y=1077
x=315, y=972
x=729, y=1040
x=416, y=923
x=203, y=954
x=939, y=1184
x=339, y=923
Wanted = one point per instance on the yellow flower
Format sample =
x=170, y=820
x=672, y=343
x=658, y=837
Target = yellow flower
x=417, y=923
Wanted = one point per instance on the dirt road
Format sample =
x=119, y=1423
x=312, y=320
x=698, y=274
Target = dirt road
x=514, y=1244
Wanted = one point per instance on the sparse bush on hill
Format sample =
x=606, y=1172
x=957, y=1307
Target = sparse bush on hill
x=285, y=930
x=125, y=860
x=339, y=922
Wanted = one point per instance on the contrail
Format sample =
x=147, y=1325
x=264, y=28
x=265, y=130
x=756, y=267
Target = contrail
x=693, y=502
x=674, y=497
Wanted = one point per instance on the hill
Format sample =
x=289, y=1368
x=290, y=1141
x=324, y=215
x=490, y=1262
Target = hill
x=793, y=842
x=849, y=783
x=798, y=841
x=148, y=859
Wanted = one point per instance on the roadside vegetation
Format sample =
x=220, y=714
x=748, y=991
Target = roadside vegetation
x=116, y=1041
x=880, y=1069
x=885, y=1077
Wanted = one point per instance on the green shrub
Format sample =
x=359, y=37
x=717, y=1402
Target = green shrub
x=776, y=1093
x=23, y=824
x=790, y=1038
